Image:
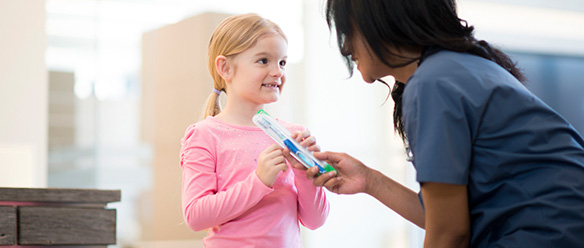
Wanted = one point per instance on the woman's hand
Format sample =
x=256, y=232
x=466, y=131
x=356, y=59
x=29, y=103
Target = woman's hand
x=351, y=176
x=305, y=140
x=355, y=177
x=270, y=162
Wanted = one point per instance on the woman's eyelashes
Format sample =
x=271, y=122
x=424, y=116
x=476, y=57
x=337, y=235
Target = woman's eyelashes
x=346, y=50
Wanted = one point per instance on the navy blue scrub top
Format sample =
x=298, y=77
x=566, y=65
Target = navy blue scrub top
x=470, y=122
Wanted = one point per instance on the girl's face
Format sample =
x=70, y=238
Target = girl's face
x=258, y=72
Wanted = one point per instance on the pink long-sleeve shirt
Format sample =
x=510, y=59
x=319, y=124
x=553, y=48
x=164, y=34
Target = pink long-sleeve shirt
x=221, y=191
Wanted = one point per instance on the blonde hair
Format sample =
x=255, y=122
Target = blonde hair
x=233, y=36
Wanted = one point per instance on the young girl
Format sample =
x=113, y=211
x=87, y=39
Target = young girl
x=236, y=180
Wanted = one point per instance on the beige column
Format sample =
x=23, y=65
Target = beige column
x=23, y=94
x=176, y=84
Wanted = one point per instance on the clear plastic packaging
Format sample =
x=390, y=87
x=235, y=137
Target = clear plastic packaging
x=282, y=136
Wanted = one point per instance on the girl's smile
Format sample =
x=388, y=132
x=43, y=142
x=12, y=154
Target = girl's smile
x=275, y=86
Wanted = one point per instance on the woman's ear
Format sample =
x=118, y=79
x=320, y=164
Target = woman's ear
x=224, y=67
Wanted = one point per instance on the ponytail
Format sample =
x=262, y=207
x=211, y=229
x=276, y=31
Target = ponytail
x=213, y=107
x=398, y=123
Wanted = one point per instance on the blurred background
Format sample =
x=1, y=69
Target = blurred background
x=98, y=93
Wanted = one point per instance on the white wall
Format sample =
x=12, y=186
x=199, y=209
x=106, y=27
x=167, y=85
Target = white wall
x=549, y=28
x=23, y=94
x=349, y=115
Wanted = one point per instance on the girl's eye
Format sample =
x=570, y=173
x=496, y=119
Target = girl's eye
x=283, y=63
x=263, y=61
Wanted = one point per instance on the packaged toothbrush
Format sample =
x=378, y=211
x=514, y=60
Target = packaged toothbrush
x=282, y=136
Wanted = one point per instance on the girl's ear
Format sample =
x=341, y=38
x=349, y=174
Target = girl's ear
x=224, y=67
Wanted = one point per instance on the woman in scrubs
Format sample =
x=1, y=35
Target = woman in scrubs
x=497, y=167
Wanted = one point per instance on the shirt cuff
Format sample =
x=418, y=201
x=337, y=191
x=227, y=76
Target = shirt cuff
x=257, y=182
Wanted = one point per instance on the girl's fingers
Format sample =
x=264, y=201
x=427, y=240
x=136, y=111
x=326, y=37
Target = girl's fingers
x=281, y=166
x=301, y=135
x=305, y=134
x=270, y=149
x=275, y=157
x=314, y=148
x=310, y=141
x=279, y=159
x=274, y=151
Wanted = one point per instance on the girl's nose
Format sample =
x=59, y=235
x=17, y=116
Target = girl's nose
x=277, y=71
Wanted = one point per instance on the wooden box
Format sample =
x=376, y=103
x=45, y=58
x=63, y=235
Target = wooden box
x=57, y=217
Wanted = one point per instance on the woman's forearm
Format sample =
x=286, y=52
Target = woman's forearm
x=395, y=196
x=447, y=215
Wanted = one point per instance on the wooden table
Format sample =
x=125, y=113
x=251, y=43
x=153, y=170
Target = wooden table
x=57, y=217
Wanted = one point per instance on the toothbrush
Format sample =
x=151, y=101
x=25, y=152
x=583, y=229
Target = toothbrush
x=282, y=136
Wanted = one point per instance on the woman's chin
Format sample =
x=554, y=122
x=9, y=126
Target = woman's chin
x=368, y=80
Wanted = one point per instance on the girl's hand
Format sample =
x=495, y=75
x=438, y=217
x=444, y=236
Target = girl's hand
x=270, y=162
x=305, y=140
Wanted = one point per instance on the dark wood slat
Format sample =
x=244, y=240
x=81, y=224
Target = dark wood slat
x=59, y=195
x=7, y=225
x=39, y=225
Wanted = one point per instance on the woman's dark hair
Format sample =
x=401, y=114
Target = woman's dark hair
x=407, y=24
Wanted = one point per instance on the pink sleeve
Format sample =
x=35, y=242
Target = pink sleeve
x=203, y=206
x=313, y=207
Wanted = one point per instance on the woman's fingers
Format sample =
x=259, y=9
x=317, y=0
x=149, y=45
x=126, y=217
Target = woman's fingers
x=332, y=157
x=334, y=184
x=312, y=173
x=319, y=180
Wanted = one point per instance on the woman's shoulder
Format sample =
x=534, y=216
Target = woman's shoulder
x=462, y=71
x=446, y=63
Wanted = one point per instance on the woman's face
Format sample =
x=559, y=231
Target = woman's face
x=372, y=68
x=366, y=62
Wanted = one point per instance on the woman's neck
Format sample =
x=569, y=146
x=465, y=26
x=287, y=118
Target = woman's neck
x=404, y=73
